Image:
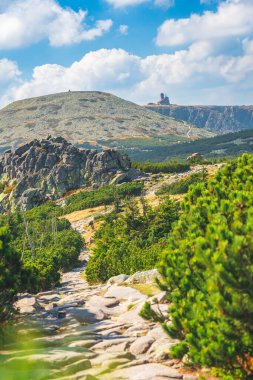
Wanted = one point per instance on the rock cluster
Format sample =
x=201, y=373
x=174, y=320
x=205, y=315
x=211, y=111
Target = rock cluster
x=49, y=168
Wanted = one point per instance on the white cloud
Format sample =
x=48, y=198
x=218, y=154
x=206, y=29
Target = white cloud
x=166, y=4
x=8, y=71
x=193, y=75
x=24, y=22
x=210, y=1
x=123, y=29
x=110, y=70
x=233, y=18
x=125, y=3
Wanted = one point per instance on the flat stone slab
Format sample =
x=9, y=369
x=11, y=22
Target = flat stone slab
x=27, y=310
x=141, y=345
x=132, y=315
x=83, y=343
x=51, y=359
x=124, y=293
x=83, y=315
x=49, y=298
x=108, y=343
x=103, y=301
x=144, y=372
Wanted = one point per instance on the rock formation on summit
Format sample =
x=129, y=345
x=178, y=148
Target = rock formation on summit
x=49, y=168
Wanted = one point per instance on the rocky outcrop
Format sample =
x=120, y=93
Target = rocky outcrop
x=218, y=119
x=49, y=168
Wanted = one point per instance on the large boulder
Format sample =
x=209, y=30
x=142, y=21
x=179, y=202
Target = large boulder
x=27, y=304
x=117, y=280
x=148, y=276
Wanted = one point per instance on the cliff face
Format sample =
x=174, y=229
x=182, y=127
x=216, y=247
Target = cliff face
x=48, y=168
x=218, y=119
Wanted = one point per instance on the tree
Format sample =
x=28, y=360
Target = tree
x=208, y=271
x=10, y=267
x=131, y=241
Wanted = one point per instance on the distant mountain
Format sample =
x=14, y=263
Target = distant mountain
x=217, y=119
x=85, y=118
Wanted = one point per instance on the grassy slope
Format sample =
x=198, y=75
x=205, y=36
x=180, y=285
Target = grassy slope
x=231, y=144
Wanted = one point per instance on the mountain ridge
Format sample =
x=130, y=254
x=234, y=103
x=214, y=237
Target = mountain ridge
x=217, y=119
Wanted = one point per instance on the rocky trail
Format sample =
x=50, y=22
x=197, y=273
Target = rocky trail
x=83, y=332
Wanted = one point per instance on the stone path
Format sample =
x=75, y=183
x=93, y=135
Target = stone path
x=92, y=332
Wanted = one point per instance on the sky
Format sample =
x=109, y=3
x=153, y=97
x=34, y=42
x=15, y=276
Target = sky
x=196, y=51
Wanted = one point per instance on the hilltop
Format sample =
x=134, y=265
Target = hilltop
x=86, y=119
x=217, y=119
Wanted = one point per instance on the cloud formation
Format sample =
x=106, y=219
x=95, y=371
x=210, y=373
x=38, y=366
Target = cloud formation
x=8, y=71
x=190, y=76
x=126, y=3
x=123, y=29
x=233, y=18
x=25, y=22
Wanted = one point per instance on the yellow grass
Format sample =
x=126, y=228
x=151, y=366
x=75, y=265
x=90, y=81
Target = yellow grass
x=149, y=289
x=89, y=234
x=83, y=214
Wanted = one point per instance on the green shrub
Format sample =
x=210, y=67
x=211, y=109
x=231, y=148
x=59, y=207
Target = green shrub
x=103, y=196
x=182, y=186
x=208, y=271
x=130, y=242
x=45, y=211
x=10, y=268
x=47, y=247
x=39, y=274
x=163, y=167
x=86, y=199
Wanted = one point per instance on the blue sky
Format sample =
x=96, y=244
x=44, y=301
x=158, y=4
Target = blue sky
x=142, y=21
x=198, y=51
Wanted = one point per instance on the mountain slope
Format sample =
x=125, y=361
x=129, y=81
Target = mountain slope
x=231, y=144
x=218, y=119
x=83, y=117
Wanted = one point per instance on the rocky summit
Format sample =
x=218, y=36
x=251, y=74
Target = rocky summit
x=48, y=168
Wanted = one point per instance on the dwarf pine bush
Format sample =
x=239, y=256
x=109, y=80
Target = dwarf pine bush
x=208, y=272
